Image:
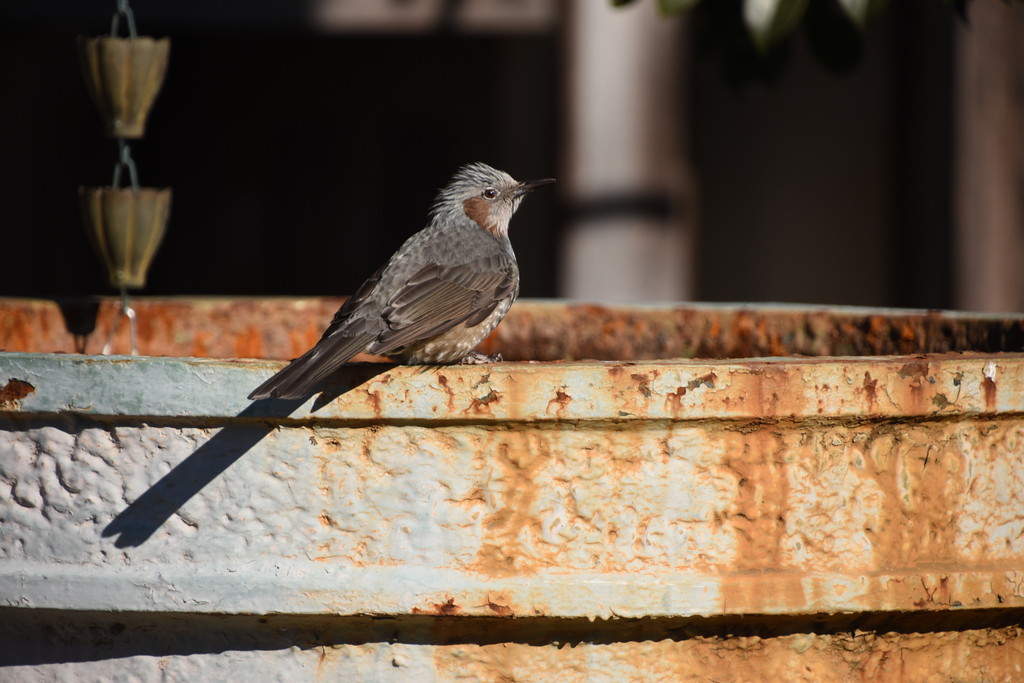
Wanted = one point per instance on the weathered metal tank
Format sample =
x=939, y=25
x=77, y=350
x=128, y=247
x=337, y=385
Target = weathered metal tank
x=670, y=493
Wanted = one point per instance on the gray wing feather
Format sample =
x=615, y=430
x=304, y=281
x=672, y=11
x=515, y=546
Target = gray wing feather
x=437, y=299
x=303, y=374
x=432, y=301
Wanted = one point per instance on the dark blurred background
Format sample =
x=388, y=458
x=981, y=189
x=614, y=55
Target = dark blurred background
x=304, y=142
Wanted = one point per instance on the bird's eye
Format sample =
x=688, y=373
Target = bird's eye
x=489, y=193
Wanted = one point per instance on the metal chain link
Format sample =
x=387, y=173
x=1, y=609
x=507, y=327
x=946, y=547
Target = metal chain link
x=124, y=160
x=123, y=10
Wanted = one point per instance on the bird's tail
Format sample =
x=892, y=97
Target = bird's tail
x=303, y=375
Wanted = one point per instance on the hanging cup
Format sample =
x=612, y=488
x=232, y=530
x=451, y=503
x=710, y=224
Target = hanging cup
x=123, y=76
x=125, y=227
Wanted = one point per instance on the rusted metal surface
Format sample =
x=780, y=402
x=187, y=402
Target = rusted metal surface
x=549, y=331
x=785, y=518
x=283, y=328
x=202, y=328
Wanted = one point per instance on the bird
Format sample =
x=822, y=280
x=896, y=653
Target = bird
x=444, y=290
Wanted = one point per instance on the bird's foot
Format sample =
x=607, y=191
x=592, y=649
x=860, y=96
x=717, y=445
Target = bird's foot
x=477, y=358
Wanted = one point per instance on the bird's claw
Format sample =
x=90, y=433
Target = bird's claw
x=477, y=358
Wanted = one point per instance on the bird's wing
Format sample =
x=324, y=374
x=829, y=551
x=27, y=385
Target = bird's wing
x=351, y=304
x=437, y=298
x=299, y=378
x=344, y=338
x=434, y=300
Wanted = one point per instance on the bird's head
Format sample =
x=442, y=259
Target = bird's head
x=485, y=195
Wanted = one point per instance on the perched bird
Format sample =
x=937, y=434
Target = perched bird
x=441, y=293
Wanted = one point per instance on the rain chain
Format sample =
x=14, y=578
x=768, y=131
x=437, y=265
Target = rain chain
x=124, y=225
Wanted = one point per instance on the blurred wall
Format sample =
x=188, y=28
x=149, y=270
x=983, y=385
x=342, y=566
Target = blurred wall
x=831, y=187
x=989, y=153
x=305, y=141
x=798, y=183
x=300, y=157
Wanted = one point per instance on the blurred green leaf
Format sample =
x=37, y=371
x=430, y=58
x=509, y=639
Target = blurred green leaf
x=750, y=37
x=671, y=8
x=862, y=10
x=721, y=35
x=771, y=20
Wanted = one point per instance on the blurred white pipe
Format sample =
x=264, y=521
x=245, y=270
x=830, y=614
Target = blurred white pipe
x=626, y=179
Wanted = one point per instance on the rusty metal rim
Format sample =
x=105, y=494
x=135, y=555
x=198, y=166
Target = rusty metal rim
x=290, y=587
x=943, y=387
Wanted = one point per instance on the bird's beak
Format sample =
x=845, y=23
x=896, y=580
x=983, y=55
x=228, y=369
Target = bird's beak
x=530, y=185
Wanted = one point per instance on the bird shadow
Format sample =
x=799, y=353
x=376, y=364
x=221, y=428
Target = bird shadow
x=137, y=523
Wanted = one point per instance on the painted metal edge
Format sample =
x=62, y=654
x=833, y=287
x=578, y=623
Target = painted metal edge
x=287, y=588
x=948, y=385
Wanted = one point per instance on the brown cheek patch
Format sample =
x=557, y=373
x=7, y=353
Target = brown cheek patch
x=480, y=213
